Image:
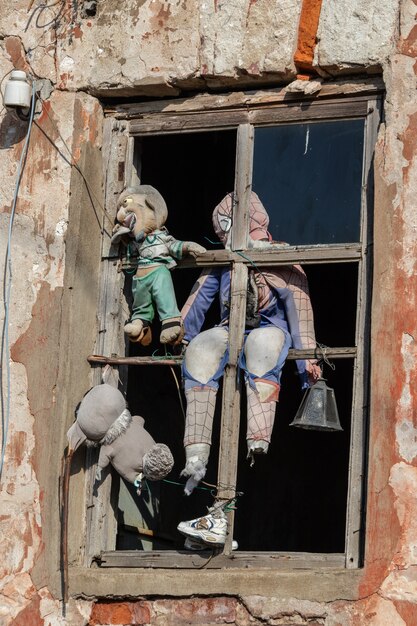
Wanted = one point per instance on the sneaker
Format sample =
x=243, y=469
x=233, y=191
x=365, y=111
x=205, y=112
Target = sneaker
x=193, y=544
x=208, y=529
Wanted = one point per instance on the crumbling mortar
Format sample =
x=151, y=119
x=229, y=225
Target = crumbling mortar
x=318, y=618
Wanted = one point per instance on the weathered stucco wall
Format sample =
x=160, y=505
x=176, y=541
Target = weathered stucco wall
x=156, y=48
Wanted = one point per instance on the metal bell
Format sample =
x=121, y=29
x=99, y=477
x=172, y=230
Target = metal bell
x=318, y=410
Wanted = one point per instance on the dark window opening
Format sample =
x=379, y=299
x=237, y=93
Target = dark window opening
x=309, y=177
x=193, y=173
x=296, y=495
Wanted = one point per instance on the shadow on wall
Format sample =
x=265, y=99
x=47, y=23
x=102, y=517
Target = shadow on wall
x=12, y=130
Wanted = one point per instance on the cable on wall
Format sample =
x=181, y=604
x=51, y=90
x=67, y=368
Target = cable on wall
x=7, y=287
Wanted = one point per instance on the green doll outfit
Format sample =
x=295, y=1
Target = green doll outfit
x=159, y=247
x=156, y=287
x=158, y=250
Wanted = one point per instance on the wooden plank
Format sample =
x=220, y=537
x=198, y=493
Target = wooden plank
x=230, y=420
x=131, y=178
x=229, y=434
x=163, y=123
x=308, y=111
x=355, y=512
x=288, y=255
x=101, y=518
x=333, y=353
x=102, y=522
x=173, y=123
x=291, y=255
x=204, y=102
x=116, y=154
x=243, y=187
x=181, y=559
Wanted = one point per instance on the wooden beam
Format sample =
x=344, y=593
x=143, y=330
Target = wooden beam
x=243, y=187
x=279, y=255
x=101, y=517
x=229, y=433
x=180, y=559
x=355, y=513
x=307, y=111
x=209, y=102
x=317, y=353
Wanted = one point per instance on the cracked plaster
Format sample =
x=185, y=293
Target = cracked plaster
x=356, y=32
x=151, y=46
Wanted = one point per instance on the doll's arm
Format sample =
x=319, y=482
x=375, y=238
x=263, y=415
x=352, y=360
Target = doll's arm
x=198, y=302
x=192, y=249
x=104, y=460
x=291, y=285
x=179, y=249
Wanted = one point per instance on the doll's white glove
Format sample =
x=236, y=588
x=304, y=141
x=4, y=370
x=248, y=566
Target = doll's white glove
x=193, y=249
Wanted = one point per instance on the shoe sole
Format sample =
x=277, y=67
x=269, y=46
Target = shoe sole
x=202, y=535
x=197, y=546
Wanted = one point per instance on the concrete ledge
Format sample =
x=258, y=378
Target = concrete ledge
x=314, y=585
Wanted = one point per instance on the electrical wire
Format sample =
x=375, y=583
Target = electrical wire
x=71, y=161
x=7, y=287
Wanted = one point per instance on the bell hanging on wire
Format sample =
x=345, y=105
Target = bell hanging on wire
x=318, y=410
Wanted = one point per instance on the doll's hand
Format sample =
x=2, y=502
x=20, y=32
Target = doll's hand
x=313, y=372
x=120, y=233
x=179, y=348
x=193, y=249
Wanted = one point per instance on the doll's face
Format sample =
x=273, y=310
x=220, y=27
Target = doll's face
x=134, y=213
x=223, y=218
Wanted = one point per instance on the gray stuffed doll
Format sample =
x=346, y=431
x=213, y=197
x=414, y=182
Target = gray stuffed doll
x=103, y=419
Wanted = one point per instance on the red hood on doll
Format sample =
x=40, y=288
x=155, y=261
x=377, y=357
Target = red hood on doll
x=259, y=219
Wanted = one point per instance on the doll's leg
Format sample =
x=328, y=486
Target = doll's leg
x=264, y=349
x=164, y=296
x=138, y=329
x=203, y=365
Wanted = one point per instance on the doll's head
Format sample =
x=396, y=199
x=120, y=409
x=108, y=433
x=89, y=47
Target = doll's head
x=140, y=211
x=223, y=216
x=101, y=417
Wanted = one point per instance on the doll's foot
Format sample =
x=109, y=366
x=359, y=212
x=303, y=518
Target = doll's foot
x=172, y=331
x=196, y=455
x=139, y=331
x=257, y=446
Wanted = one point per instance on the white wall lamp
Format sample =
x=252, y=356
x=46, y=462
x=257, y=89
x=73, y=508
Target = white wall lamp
x=18, y=94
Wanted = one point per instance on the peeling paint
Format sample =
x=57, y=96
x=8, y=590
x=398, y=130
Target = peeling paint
x=406, y=435
x=169, y=45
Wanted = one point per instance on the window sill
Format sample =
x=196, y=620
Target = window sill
x=206, y=559
x=318, y=584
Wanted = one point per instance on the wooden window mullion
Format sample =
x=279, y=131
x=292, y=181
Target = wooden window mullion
x=355, y=513
x=101, y=518
x=230, y=420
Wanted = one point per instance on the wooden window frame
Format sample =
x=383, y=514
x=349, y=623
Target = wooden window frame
x=243, y=112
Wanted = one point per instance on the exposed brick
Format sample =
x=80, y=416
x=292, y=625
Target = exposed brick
x=119, y=613
x=198, y=610
x=307, y=34
x=141, y=613
x=16, y=53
